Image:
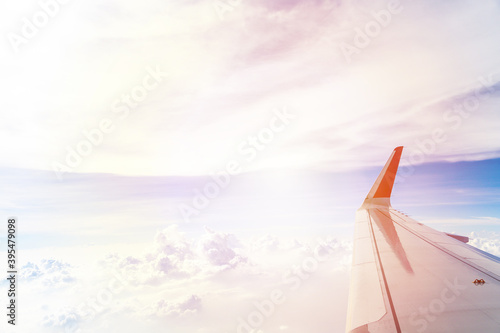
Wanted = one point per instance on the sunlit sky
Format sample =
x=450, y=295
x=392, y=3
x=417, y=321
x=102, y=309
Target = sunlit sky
x=117, y=114
x=223, y=78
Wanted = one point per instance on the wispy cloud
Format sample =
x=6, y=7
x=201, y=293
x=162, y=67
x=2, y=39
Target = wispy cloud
x=226, y=75
x=475, y=221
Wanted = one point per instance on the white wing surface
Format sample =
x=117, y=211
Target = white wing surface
x=407, y=277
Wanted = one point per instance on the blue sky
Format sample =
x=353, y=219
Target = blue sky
x=117, y=115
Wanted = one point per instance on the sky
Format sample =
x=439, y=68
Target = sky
x=195, y=166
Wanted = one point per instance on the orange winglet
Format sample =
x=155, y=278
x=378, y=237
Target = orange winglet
x=385, y=181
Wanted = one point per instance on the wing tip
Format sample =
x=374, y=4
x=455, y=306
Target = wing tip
x=382, y=188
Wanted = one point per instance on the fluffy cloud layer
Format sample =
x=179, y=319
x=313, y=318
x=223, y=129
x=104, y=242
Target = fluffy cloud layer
x=215, y=281
x=187, y=284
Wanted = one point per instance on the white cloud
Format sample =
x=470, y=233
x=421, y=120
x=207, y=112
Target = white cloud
x=173, y=256
x=65, y=318
x=50, y=273
x=486, y=241
x=220, y=249
x=188, y=306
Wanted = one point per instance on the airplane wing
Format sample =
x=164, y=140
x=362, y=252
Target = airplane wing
x=407, y=277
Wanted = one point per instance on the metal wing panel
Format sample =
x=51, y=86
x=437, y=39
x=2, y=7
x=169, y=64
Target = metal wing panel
x=473, y=256
x=431, y=286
